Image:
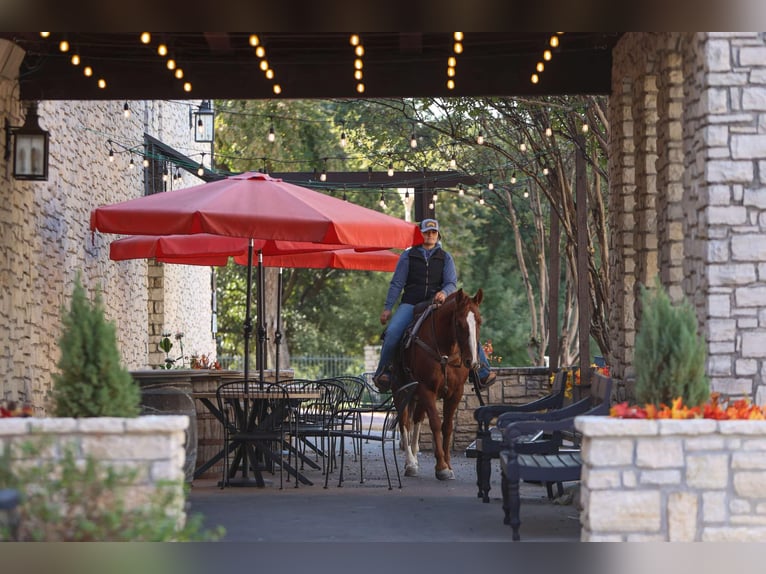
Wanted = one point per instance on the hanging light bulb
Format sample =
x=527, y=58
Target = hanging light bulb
x=126, y=110
x=540, y=67
x=585, y=128
x=548, y=132
x=75, y=59
x=513, y=177
x=406, y=196
x=390, y=170
x=554, y=41
x=460, y=190
x=453, y=162
x=480, y=139
x=345, y=197
x=165, y=173
x=534, y=78
x=545, y=171
x=526, y=193
x=522, y=147
x=146, y=37
x=547, y=55
x=481, y=199
x=382, y=201
x=277, y=89
x=162, y=50
x=490, y=185
x=64, y=46
x=132, y=164
x=413, y=139
x=323, y=175
x=201, y=168
x=146, y=162
x=272, y=136
x=343, y=140
x=434, y=197
x=111, y=154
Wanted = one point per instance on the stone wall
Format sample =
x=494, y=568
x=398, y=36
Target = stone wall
x=673, y=480
x=699, y=174
x=46, y=240
x=152, y=446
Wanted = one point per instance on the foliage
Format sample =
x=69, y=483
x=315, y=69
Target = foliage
x=739, y=409
x=91, y=382
x=70, y=500
x=165, y=345
x=669, y=353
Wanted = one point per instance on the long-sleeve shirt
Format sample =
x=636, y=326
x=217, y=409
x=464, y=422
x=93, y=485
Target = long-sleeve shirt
x=399, y=280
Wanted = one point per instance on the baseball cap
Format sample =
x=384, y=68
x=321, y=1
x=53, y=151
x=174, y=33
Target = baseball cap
x=429, y=225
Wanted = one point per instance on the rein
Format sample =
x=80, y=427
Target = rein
x=443, y=360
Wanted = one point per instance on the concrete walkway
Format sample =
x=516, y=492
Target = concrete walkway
x=423, y=510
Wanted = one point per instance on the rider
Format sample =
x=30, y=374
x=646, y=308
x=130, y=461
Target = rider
x=425, y=272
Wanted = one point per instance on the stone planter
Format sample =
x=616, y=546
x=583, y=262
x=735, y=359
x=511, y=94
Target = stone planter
x=673, y=480
x=151, y=445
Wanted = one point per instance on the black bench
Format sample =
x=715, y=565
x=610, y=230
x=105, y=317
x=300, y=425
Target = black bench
x=488, y=442
x=558, y=467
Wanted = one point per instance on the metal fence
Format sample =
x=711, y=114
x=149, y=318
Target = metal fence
x=306, y=367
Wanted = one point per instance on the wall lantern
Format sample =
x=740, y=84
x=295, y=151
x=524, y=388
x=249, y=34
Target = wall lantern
x=30, y=147
x=203, y=122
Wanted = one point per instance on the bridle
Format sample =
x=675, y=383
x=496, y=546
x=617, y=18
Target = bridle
x=455, y=360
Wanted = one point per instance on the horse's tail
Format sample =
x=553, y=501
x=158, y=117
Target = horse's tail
x=402, y=399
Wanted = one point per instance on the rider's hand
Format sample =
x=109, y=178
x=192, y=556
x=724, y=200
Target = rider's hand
x=439, y=297
x=385, y=316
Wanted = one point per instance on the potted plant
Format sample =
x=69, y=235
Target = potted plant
x=673, y=467
x=95, y=436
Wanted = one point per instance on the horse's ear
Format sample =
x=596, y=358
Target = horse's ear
x=479, y=296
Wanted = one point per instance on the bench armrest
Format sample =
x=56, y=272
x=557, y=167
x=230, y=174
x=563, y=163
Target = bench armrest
x=569, y=411
x=488, y=413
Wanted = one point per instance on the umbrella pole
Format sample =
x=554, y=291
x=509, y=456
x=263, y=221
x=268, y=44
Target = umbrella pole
x=261, y=324
x=278, y=332
x=248, y=311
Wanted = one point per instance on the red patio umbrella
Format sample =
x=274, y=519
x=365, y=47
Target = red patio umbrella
x=253, y=205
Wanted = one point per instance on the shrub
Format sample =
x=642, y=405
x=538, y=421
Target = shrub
x=68, y=500
x=91, y=381
x=669, y=354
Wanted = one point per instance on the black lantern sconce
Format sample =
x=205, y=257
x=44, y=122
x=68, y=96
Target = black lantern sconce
x=30, y=147
x=203, y=122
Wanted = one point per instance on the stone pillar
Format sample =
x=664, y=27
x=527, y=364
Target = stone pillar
x=621, y=218
x=645, y=143
x=156, y=311
x=670, y=168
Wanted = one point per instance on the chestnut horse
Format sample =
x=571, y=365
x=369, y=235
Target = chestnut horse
x=431, y=364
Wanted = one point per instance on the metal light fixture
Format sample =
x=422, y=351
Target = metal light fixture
x=203, y=122
x=30, y=147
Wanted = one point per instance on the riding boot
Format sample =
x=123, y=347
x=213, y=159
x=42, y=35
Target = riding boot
x=383, y=381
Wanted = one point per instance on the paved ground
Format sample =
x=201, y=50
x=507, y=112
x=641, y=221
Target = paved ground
x=423, y=510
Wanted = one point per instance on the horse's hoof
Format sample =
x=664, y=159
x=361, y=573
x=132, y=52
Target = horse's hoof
x=411, y=471
x=445, y=474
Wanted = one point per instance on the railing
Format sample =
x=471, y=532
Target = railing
x=306, y=367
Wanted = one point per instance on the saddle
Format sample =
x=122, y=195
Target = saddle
x=419, y=314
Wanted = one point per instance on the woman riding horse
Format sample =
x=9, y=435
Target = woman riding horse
x=433, y=363
x=425, y=272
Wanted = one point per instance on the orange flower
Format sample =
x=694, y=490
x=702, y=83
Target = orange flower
x=740, y=409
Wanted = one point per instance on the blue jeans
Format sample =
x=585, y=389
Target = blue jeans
x=397, y=324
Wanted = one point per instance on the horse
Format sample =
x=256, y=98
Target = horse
x=433, y=362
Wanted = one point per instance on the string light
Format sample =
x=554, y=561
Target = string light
x=491, y=184
x=545, y=171
x=554, y=42
x=201, y=168
x=534, y=78
x=585, y=128
x=111, y=154
x=272, y=135
x=523, y=147
x=460, y=190
x=343, y=140
x=526, y=193
x=146, y=162
x=75, y=59
x=356, y=42
x=64, y=46
x=547, y=55
x=126, y=110
x=382, y=201
x=480, y=138
x=162, y=50
x=457, y=48
x=481, y=198
x=453, y=162
x=254, y=40
x=548, y=132
x=513, y=178
x=45, y=34
x=102, y=83
x=390, y=170
x=413, y=139
x=323, y=176
x=165, y=173
x=132, y=164
x=146, y=37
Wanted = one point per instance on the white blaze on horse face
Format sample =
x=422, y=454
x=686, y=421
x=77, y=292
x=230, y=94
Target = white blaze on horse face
x=473, y=340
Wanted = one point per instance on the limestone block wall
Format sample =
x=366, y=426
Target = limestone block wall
x=710, y=90
x=45, y=238
x=673, y=480
x=152, y=446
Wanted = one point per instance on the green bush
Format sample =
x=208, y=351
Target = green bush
x=71, y=500
x=669, y=354
x=91, y=381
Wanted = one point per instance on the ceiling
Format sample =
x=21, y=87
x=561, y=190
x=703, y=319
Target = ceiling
x=223, y=65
